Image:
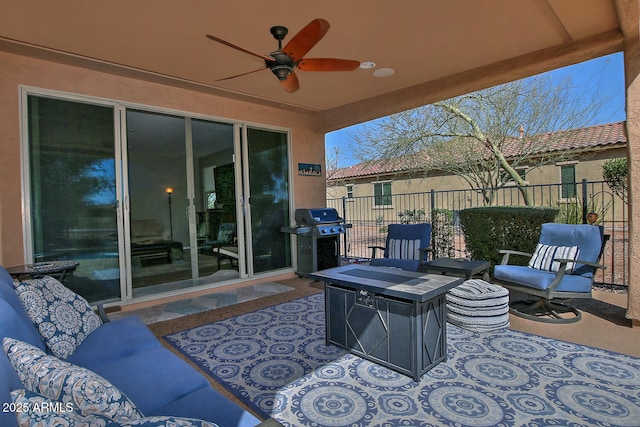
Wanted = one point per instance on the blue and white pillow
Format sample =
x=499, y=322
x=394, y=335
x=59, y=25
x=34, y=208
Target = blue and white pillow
x=544, y=255
x=33, y=409
x=63, y=318
x=404, y=249
x=61, y=381
x=168, y=421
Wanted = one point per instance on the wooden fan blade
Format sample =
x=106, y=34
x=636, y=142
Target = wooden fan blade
x=243, y=74
x=231, y=45
x=306, y=38
x=291, y=83
x=327, y=64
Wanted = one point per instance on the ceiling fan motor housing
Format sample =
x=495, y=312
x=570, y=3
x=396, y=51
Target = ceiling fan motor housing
x=282, y=65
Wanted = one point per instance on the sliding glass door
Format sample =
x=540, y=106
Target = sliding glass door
x=72, y=204
x=149, y=202
x=158, y=201
x=268, y=190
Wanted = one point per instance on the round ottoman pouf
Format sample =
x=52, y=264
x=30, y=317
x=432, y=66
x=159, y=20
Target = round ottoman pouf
x=478, y=306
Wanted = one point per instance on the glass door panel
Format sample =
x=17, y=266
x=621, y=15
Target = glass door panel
x=268, y=171
x=159, y=235
x=72, y=192
x=219, y=251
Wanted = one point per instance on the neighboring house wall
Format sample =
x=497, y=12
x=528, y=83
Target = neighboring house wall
x=587, y=165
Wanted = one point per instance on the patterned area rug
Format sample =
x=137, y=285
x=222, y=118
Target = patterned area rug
x=275, y=360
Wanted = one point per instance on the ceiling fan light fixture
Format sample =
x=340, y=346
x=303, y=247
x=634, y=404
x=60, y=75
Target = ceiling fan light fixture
x=281, y=71
x=367, y=65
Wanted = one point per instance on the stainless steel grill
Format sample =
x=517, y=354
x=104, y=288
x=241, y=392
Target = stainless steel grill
x=318, y=234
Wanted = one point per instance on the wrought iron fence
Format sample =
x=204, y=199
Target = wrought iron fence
x=369, y=220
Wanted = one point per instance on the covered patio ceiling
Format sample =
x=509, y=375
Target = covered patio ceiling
x=437, y=49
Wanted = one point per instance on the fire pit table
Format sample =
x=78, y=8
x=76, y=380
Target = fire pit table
x=392, y=317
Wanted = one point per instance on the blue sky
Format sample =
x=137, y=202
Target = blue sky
x=605, y=74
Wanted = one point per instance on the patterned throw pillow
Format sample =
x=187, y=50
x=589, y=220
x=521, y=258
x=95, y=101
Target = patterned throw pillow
x=161, y=421
x=544, y=255
x=61, y=381
x=63, y=317
x=32, y=409
x=404, y=249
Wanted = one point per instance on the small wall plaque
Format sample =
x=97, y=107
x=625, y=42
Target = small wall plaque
x=309, y=169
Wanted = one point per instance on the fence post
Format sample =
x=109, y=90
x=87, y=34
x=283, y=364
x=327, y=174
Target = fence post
x=433, y=201
x=344, y=237
x=584, y=200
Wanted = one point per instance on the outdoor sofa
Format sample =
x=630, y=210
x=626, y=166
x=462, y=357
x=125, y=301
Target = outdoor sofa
x=123, y=352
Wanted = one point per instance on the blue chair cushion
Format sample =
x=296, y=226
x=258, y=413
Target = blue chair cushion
x=586, y=237
x=411, y=232
x=539, y=279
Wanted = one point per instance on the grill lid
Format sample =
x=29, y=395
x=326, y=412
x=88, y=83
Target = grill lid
x=317, y=216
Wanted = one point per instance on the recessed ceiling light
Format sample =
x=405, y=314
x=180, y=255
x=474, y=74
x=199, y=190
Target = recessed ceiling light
x=384, y=72
x=367, y=65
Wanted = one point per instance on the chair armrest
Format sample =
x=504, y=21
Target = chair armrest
x=373, y=250
x=507, y=252
x=579, y=261
x=424, y=254
x=563, y=267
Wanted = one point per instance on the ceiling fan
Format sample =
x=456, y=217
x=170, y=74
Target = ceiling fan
x=284, y=61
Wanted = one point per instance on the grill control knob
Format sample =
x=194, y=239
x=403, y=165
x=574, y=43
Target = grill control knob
x=333, y=230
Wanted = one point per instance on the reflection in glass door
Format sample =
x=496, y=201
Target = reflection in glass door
x=268, y=190
x=182, y=210
x=219, y=255
x=72, y=202
x=158, y=201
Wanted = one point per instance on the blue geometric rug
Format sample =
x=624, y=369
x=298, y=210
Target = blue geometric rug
x=275, y=360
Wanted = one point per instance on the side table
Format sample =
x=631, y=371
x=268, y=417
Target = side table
x=57, y=269
x=462, y=267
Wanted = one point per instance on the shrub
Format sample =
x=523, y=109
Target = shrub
x=489, y=229
x=442, y=233
x=615, y=172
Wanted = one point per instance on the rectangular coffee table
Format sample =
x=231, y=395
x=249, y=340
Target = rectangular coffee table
x=392, y=317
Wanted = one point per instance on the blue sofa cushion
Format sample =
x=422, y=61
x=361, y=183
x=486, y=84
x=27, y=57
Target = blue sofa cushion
x=206, y=403
x=44, y=412
x=61, y=381
x=539, y=279
x=15, y=322
x=34, y=409
x=64, y=318
x=113, y=341
x=153, y=378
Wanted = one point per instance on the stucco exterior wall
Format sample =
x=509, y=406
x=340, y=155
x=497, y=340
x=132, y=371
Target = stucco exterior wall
x=307, y=145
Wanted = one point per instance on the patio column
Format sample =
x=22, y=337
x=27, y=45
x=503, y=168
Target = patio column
x=632, y=81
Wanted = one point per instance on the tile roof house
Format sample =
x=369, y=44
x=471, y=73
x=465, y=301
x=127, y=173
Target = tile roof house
x=590, y=145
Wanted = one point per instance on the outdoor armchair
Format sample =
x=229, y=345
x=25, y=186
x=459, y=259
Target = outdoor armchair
x=407, y=246
x=563, y=266
x=225, y=243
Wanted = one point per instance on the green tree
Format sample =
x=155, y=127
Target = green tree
x=614, y=172
x=484, y=136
